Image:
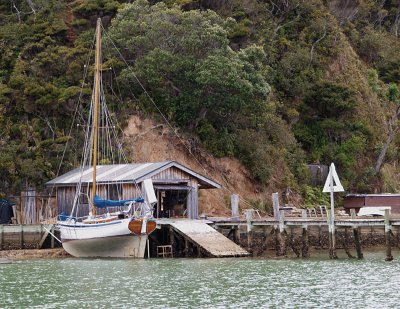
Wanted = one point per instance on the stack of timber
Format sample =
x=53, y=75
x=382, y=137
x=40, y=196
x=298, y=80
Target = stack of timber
x=211, y=241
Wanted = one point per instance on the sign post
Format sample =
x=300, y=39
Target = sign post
x=332, y=184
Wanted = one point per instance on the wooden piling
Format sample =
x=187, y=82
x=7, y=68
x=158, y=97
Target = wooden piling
x=249, y=240
x=292, y=242
x=397, y=236
x=281, y=236
x=1, y=236
x=388, y=228
x=171, y=237
x=357, y=242
x=186, y=250
x=304, y=237
x=265, y=234
x=249, y=219
x=52, y=238
x=275, y=204
x=356, y=233
x=236, y=235
x=331, y=236
x=346, y=243
x=235, y=207
x=21, y=237
x=321, y=245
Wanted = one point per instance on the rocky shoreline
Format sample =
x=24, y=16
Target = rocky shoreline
x=30, y=254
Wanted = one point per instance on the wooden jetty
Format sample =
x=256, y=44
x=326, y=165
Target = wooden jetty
x=280, y=225
x=188, y=237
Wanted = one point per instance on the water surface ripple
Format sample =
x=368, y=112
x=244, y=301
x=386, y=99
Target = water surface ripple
x=201, y=283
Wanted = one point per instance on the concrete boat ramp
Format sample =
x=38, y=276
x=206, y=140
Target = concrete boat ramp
x=201, y=234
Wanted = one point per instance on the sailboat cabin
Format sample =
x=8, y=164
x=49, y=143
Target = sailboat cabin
x=175, y=186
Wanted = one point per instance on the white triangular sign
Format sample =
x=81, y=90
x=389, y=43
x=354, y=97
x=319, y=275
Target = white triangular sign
x=337, y=186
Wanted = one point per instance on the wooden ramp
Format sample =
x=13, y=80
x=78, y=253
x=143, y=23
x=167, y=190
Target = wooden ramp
x=210, y=240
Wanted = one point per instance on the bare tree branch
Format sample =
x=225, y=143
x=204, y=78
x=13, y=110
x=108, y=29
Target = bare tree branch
x=393, y=127
x=316, y=42
x=14, y=7
x=32, y=6
x=284, y=25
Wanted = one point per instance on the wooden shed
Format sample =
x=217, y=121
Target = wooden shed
x=357, y=201
x=175, y=185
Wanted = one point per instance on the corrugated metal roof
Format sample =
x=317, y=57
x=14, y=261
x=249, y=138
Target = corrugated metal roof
x=125, y=173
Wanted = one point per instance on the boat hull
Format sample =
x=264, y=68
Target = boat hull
x=125, y=246
x=109, y=240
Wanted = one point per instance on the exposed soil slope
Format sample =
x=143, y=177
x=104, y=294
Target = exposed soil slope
x=149, y=142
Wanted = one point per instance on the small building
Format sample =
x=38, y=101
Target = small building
x=356, y=201
x=176, y=186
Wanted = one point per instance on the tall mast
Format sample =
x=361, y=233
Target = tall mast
x=96, y=110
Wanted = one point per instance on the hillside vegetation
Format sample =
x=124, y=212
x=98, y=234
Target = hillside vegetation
x=275, y=84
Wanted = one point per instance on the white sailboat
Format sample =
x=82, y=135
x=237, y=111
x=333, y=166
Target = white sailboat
x=122, y=229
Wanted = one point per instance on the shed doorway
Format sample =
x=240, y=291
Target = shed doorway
x=172, y=201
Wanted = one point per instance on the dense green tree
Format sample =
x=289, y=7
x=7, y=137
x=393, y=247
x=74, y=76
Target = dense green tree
x=264, y=81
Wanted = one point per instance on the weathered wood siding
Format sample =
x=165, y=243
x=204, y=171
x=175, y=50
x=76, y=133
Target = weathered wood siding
x=173, y=175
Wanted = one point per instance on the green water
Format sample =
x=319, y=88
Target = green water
x=201, y=283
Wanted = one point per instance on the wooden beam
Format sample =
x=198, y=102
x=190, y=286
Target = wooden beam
x=332, y=238
x=21, y=236
x=235, y=207
x=52, y=238
x=275, y=204
x=346, y=243
x=356, y=231
x=304, y=237
x=1, y=236
x=44, y=236
x=388, y=229
x=281, y=236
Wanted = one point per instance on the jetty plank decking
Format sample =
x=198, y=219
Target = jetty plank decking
x=210, y=240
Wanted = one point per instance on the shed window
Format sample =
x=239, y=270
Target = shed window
x=114, y=191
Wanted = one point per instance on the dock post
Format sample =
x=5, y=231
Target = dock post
x=331, y=236
x=236, y=234
x=235, y=207
x=292, y=242
x=356, y=232
x=249, y=218
x=282, y=248
x=171, y=237
x=21, y=237
x=304, y=238
x=1, y=236
x=275, y=204
x=52, y=238
x=186, y=250
x=388, y=228
x=346, y=243
x=320, y=243
x=265, y=232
